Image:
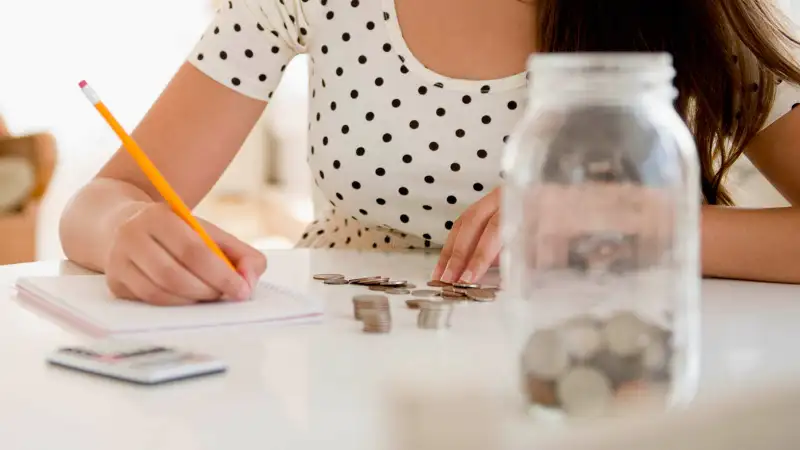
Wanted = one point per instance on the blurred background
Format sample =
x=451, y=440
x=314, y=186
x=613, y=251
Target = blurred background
x=128, y=50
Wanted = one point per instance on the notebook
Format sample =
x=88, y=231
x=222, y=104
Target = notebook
x=86, y=302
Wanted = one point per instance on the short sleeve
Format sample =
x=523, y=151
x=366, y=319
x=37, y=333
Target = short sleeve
x=250, y=42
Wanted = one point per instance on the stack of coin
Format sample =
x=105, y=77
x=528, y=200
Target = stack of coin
x=363, y=303
x=434, y=315
x=586, y=366
x=376, y=320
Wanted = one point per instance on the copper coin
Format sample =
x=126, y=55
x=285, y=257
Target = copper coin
x=437, y=283
x=394, y=283
x=379, y=288
x=538, y=391
x=415, y=303
x=327, y=276
x=336, y=281
x=452, y=294
x=462, y=285
x=481, y=295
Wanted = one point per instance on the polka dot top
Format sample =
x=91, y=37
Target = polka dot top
x=399, y=150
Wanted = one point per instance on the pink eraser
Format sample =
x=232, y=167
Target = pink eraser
x=83, y=84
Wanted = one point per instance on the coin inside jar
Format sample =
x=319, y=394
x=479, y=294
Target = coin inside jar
x=327, y=276
x=582, y=337
x=545, y=356
x=585, y=392
x=626, y=334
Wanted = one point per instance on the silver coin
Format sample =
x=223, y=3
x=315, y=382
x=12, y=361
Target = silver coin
x=426, y=293
x=336, y=281
x=371, y=298
x=410, y=286
x=394, y=283
x=545, y=356
x=466, y=285
x=396, y=291
x=582, y=337
x=656, y=359
x=585, y=392
x=626, y=334
x=379, y=288
x=618, y=369
x=327, y=276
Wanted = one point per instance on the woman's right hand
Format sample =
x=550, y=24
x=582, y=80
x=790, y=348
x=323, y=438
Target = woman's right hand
x=155, y=257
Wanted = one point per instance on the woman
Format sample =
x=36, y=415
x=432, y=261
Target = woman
x=411, y=102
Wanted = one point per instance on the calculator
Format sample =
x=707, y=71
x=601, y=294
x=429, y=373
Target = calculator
x=136, y=362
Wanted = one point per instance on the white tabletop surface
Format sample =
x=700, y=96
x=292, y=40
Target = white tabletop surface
x=328, y=385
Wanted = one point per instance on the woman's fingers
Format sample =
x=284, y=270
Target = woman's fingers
x=447, y=250
x=486, y=251
x=137, y=286
x=249, y=262
x=188, y=249
x=157, y=264
x=460, y=246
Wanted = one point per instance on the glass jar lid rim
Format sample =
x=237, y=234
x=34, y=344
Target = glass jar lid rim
x=620, y=60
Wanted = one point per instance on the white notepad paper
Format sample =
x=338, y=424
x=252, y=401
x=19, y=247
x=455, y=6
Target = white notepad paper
x=85, y=301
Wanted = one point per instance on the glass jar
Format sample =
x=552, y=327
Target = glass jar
x=600, y=264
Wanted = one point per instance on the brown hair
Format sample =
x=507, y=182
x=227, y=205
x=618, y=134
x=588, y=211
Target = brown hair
x=729, y=56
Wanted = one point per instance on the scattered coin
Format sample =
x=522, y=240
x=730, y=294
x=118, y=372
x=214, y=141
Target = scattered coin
x=376, y=321
x=466, y=285
x=327, y=276
x=394, y=283
x=396, y=291
x=379, y=288
x=426, y=293
x=336, y=281
x=415, y=303
x=437, y=283
x=585, y=392
x=366, y=280
x=481, y=295
x=410, y=286
x=452, y=294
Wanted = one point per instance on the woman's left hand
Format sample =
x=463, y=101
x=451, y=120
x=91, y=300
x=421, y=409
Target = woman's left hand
x=474, y=242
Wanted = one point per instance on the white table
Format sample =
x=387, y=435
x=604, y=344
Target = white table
x=328, y=385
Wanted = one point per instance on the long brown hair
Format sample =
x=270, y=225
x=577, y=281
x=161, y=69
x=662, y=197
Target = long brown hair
x=729, y=55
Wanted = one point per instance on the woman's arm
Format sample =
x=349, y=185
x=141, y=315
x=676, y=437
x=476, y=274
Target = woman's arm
x=191, y=134
x=760, y=244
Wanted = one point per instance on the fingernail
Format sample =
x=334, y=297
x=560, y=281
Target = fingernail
x=447, y=276
x=466, y=276
x=244, y=292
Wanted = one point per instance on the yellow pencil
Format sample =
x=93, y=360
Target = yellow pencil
x=152, y=173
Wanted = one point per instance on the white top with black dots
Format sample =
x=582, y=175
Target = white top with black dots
x=400, y=151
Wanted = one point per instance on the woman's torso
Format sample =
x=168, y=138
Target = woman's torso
x=406, y=124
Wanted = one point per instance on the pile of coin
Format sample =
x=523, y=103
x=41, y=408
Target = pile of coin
x=386, y=285
x=589, y=367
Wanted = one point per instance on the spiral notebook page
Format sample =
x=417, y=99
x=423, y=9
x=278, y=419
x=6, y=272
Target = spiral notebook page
x=85, y=299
